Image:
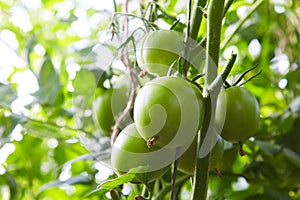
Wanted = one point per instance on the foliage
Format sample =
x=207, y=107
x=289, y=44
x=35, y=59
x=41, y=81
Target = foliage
x=51, y=64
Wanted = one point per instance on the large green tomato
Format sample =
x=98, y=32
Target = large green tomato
x=237, y=114
x=186, y=163
x=169, y=111
x=108, y=104
x=158, y=50
x=131, y=154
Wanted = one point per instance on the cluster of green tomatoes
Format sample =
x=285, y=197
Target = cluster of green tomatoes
x=168, y=112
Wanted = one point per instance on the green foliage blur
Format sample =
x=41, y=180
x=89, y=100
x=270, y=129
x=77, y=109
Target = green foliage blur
x=50, y=148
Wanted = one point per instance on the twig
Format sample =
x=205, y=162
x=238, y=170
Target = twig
x=241, y=22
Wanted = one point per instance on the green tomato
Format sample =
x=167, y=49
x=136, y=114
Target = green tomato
x=237, y=114
x=169, y=111
x=186, y=163
x=108, y=104
x=158, y=50
x=131, y=154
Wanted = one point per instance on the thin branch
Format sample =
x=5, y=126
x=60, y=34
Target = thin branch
x=187, y=39
x=241, y=22
x=196, y=18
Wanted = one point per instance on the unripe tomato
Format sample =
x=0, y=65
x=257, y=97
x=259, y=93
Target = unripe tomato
x=169, y=110
x=237, y=114
x=131, y=154
x=108, y=104
x=158, y=50
x=186, y=163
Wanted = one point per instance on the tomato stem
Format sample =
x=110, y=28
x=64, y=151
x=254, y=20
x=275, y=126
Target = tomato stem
x=174, y=176
x=196, y=19
x=214, y=24
x=218, y=172
x=242, y=152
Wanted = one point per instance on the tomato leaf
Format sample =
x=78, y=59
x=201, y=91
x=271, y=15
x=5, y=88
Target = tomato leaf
x=111, y=184
x=73, y=180
x=47, y=130
x=49, y=85
x=85, y=86
x=7, y=95
x=292, y=156
x=269, y=149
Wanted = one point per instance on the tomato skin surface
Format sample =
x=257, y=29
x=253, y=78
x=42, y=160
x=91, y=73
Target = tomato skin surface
x=169, y=109
x=237, y=114
x=109, y=103
x=130, y=151
x=186, y=163
x=158, y=50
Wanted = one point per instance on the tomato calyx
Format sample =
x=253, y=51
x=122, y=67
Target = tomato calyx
x=151, y=141
x=139, y=197
x=242, y=152
x=217, y=171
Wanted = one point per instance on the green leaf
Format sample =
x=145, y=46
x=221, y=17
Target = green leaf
x=292, y=156
x=295, y=106
x=111, y=184
x=85, y=86
x=80, y=179
x=269, y=149
x=47, y=130
x=7, y=125
x=7, y=95
x=49, y=84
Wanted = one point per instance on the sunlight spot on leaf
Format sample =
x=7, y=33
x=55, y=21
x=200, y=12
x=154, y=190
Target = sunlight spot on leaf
x=162, y=24
x=72, y=69
x=63, y=9
x=279, y=6
x=2, y=170
x=16, y=134
x=5, y=151
x=69, y=189
x=127, y=189
x=282, y=83
x=241, y=184
x=39, y=50
x=280, y=63
x=70, y=87
x=20, y=18
x=103, y=172
x=242, y=11
x=32, y=4
x=254, y=48
x=52, y=143
x=10, y=39
x=66, y=173
x=11, y=58
x=228, y=51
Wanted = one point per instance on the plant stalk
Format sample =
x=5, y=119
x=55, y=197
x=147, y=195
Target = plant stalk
x=214, y=24
x=196, y=18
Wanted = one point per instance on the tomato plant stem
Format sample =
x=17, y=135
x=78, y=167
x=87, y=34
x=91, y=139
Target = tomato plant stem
x=214, y=23
x=174, y=180
x=187, y=40
x=196, y=18
x=200, y=183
